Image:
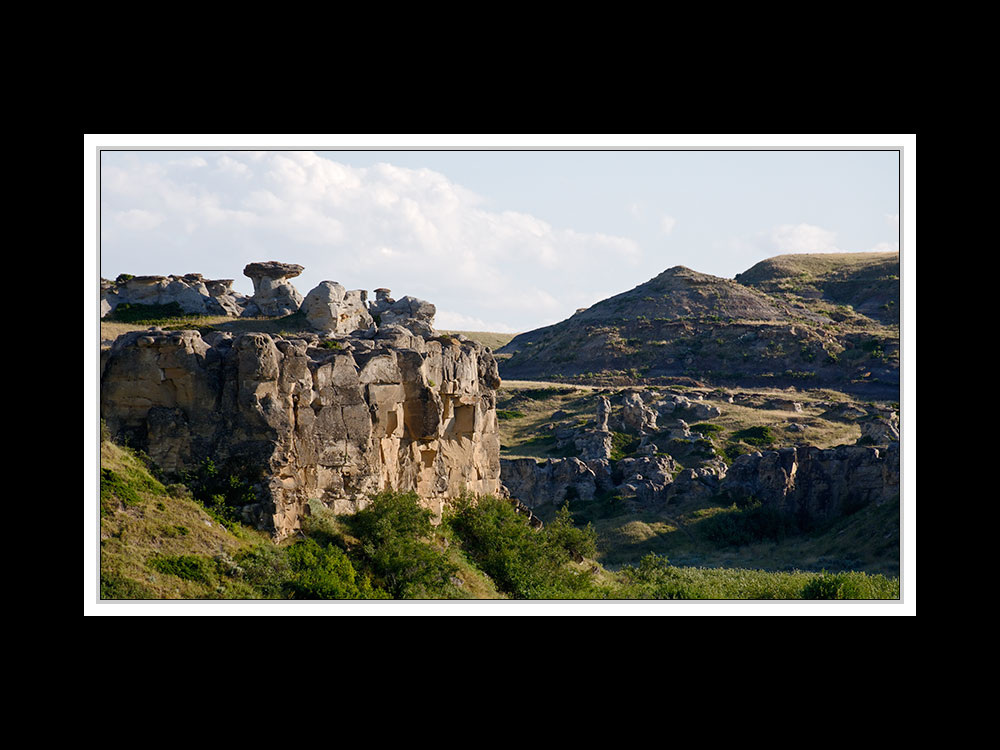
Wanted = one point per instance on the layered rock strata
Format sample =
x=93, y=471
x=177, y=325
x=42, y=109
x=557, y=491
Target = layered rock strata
x=328, y=420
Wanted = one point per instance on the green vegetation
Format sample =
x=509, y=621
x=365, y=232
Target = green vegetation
x=150, y=314
x=509, y=414
x=751, y=524
x=757, y=436
x=622, y=445
x=523, y=562
x=167, y=542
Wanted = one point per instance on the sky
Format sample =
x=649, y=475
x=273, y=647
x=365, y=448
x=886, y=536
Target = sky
x=498, y=240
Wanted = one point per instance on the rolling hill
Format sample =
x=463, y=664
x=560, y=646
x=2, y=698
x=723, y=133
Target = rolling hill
x=790, y=320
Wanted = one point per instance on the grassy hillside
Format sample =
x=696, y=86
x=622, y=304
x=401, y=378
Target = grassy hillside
x=165, y=542
x=683, y=324
x=525, y=409
x=864, y=283
x=493, y=340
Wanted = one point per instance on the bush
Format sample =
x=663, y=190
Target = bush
x=851, y=586
x=578, y=543
x=189, y=567
x=138, y=313
x=756, y=436
x=706, y=429
x=397, y=547
x=751, y=524
x=318, y=572
x=622, y=445
x=225, y=490
x=524, y=563
x=114, y=586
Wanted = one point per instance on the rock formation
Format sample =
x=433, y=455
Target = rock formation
x=273, y=294
x=328, y=419
x=417, y=315
x=331, y=309
x=553, y=481
x=637, y=417
x=193, y=293
x=813, y=483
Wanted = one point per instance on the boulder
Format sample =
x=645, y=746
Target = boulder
x=416, y=315
x=331, y=309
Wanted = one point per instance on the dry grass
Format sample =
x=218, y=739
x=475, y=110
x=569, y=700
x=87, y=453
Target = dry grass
x=493, y=340
x=110, y=330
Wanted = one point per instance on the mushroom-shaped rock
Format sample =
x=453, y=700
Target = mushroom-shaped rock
x=273, y=294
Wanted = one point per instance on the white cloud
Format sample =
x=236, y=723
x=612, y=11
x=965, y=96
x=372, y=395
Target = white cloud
x=801, y=238
x=667, y=224
x=412, y=230
x=892, y=220
x=453, y=321
x=137, y=218
x=886, y=247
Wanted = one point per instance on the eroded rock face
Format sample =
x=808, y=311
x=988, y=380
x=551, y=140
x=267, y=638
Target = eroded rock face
x=554, y=481
x=273, y=294
x=814, y=483
x=334, y=425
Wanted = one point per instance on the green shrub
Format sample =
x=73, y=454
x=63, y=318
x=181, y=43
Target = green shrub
x=756, y=436
x=852, y=585
x=752, y=524
x=224, y=490
x=524, y=563
x=189, y=567
x=113, y=485
x=397, y=547
x=509, y=414
x=578, y=543
x=138, y=313
x=706, y=429
x=318, y=572
x=622, y=445
x=114, y=586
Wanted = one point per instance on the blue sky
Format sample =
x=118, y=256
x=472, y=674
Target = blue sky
x=496, y=239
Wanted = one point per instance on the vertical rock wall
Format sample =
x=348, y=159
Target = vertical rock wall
x=333, y=421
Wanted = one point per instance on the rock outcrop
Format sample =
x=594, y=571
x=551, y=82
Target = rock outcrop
x=416, y=315
x=192, y=292
x=816, y=484
x=322, y=419
x=331, y=309
x=273, y=293
x=553, y=481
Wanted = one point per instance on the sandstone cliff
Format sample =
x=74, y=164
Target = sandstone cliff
x=333, y=420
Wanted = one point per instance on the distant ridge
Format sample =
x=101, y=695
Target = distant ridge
x=788, y=319
x=868, y=282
